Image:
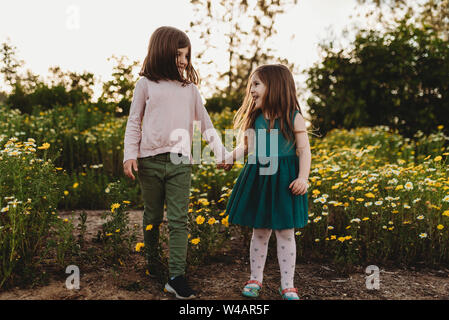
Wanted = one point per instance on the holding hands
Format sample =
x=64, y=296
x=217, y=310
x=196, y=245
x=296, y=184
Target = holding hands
x=225, y=166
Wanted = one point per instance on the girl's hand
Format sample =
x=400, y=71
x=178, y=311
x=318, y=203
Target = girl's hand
x=299, y=186
x=225, y=166
x=128, y=167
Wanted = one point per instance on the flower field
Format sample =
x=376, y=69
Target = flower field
x=375, y=197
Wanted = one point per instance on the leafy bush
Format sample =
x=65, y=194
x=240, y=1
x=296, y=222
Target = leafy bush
x=30, y=189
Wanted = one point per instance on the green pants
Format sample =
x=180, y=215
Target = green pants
x=165, y=182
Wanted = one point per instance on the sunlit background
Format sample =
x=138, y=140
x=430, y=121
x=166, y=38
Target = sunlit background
x=372, y=79
x=80, y=35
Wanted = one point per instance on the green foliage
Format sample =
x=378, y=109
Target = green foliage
x=219, y=102
x=120, y=89
x=66, y=89
x=30, y=189
x=397, y=79
x=388, y=210
x=9, y=63
x=44, y=96
x=429, y=13
x=29, y=92
x=116, y=236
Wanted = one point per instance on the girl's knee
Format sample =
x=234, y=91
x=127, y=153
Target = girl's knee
x=262, y=233
x=285, y=234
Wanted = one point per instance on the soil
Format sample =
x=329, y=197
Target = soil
x=222, y=278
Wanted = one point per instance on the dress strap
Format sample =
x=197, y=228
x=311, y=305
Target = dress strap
x=294, y=115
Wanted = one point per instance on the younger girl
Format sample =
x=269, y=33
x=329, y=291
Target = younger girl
x=271, y=190
x=165, y=104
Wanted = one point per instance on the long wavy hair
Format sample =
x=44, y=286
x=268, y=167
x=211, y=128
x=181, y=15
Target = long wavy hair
x=160, y=62
x=279, y=101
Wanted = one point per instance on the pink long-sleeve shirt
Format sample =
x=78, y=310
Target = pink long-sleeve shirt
x=161, y=120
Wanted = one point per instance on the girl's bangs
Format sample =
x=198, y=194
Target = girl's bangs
x=183, y=42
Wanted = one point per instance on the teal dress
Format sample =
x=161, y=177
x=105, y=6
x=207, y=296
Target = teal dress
x=261, y=197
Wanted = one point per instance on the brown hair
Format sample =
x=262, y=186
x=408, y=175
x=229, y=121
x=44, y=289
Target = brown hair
x=160, y=62
x=279, y=101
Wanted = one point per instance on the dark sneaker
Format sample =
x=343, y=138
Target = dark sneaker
x=180, y=288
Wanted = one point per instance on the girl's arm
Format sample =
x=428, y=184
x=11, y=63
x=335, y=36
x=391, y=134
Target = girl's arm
x=208, y=131
x=243, y=148
x=302, y=147
x=133, y=133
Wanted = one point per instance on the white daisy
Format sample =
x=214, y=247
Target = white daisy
x=408, y=186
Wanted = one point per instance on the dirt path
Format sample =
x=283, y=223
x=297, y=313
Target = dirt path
x=223, y=277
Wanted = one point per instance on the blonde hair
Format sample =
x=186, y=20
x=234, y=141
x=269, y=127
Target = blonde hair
x=280, y=101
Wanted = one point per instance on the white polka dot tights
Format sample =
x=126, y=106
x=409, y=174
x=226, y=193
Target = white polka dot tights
x=286, y=251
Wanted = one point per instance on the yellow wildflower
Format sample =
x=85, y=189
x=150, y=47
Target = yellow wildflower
x=115, y=206
x=195, y=241
x=45, y=146
x=139, y=246
x=203, y=201
x=225, y=221
x=149, y=227
x=200, y=219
